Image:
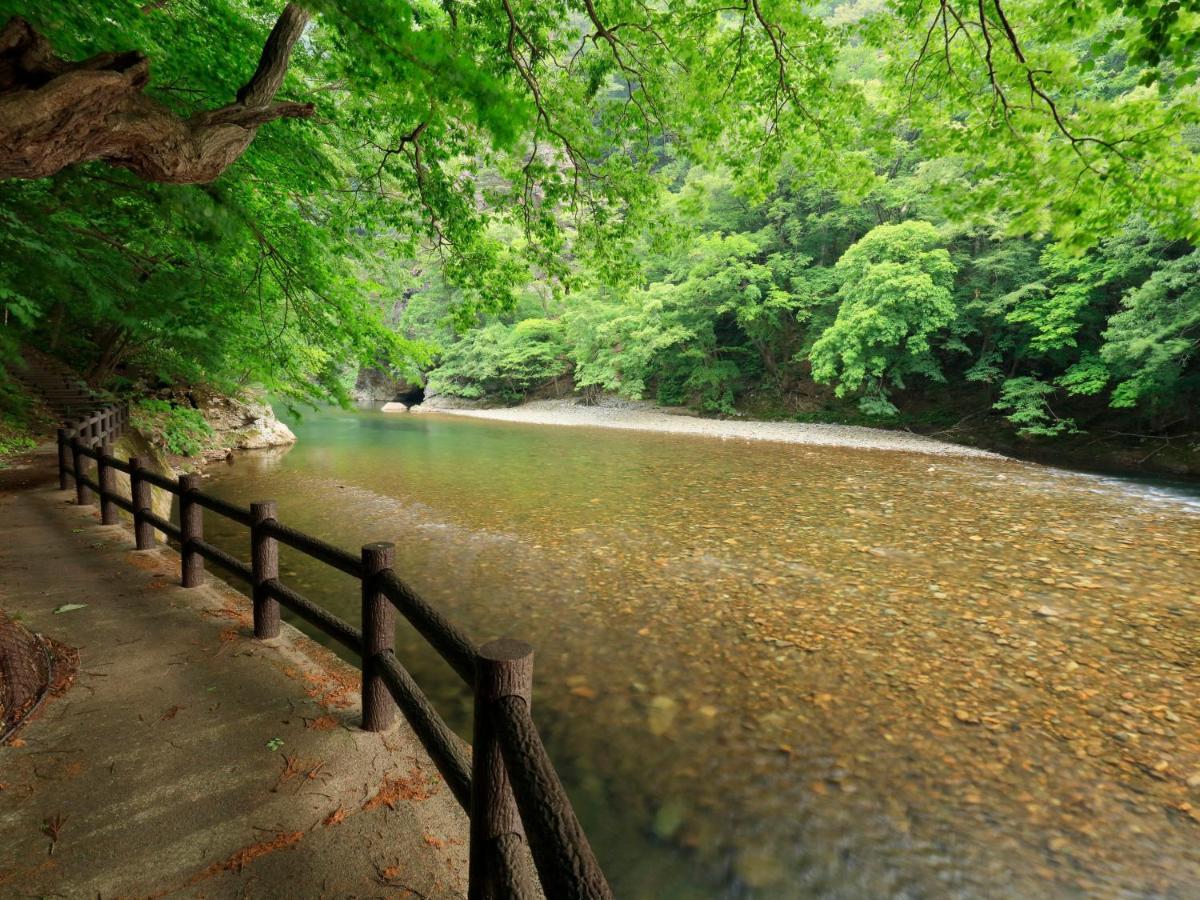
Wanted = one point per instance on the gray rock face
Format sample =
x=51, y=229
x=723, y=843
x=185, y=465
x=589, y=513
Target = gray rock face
x=245, y=423
x=374, y=386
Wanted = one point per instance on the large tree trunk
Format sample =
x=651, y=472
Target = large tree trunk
x=55, y=113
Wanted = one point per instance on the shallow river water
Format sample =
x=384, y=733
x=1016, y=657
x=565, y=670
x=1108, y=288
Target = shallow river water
x=772, y=670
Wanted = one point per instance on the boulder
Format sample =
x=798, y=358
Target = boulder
x=245, y=423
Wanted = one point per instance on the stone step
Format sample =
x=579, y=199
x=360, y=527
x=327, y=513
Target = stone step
x=60, y=387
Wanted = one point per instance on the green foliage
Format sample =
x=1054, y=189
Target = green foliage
x=761, y=297
x=1027, y=401
x=502, y=362
x=1150, y=345
x=14, y=439
x=1068, y=118
x=673, y=200
x=894, y=299
x=1087, y=377
x=20, y=420
x=616, y=343
x=181, y=430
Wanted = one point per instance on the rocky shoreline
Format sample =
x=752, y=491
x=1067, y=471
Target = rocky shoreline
x=645, y=416
x=1177, y=459
x=243, y=423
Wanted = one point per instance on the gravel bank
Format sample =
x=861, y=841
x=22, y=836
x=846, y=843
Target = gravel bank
x=644, y=416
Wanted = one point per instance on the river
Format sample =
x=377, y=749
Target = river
x=771, y=670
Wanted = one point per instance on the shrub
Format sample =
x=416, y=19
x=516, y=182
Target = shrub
x=181, y=429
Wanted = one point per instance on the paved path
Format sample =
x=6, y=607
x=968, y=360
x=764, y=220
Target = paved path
x=155, y=768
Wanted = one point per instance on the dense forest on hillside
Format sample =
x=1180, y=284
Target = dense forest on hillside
x=883, y=300
x=910, y=212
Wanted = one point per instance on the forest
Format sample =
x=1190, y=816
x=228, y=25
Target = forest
x=912, y=214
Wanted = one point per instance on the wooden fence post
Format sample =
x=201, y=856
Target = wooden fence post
x=264, y=561
x=139, y=490
x=83, y=493
x=379, y=635
x=106, y=477
x=191, y=527
x=503, y=668
x=64, y=480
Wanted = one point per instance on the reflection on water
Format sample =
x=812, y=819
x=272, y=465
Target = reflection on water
x=772, y=670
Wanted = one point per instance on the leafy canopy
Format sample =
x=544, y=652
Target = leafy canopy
x=895, y=296
x=523, y=140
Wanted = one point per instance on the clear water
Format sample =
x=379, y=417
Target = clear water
x=770, y=670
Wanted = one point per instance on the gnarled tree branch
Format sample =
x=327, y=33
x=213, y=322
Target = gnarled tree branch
x=55, y=113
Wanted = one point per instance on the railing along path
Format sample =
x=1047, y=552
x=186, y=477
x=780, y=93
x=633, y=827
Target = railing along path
x=506, y=783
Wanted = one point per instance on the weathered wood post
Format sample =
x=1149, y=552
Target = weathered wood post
x=264, y=561
x=83, y=493
x=106, y=477
x=503, y=668
x=191, y=527
x=64, y=480
x=379, y=635
x=139, y=490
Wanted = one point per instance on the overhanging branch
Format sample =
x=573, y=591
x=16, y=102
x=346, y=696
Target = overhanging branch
x=55, y=113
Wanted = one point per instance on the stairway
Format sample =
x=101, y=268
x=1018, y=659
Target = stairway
x=62, y=389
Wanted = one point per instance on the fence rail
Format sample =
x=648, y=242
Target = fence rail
x=506, y=782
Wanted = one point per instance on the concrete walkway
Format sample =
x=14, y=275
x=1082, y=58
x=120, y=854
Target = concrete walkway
x=187, y=759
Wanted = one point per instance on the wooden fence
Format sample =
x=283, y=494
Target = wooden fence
x=507, y=785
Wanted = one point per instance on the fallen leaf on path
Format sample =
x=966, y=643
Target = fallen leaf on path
x=411, y=787
x=335, y=817
x=246, y=855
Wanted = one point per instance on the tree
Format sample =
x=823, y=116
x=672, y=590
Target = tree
x=502, y=362
x=1151, y=342
x=895, y=296
x=1085, y=112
